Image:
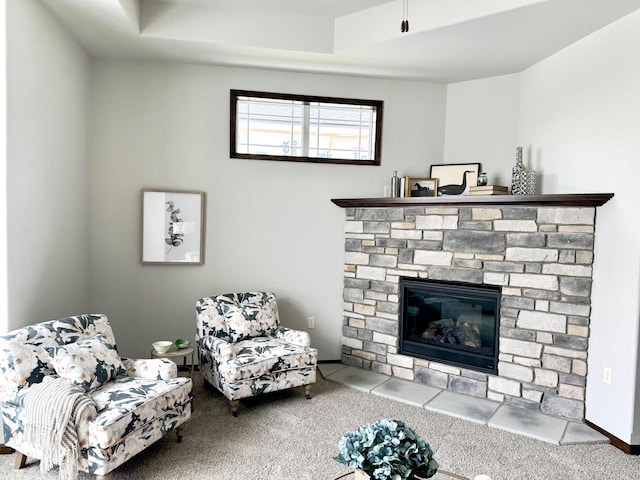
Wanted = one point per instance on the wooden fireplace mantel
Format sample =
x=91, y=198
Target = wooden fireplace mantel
x=552, y=200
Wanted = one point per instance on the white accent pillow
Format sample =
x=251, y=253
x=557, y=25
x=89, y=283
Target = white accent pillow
x=88, y=363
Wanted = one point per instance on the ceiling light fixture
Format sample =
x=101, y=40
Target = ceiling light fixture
x=404, y=26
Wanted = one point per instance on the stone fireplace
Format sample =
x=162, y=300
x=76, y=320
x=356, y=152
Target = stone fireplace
x=539, y=254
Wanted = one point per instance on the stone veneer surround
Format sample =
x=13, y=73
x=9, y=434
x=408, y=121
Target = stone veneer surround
x=541, y=256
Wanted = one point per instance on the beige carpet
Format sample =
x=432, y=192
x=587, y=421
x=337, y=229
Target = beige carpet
x=283, y=436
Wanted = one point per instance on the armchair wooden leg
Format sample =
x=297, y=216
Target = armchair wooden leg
x=20, y=460
x=106, y=476
x=5, y=450
x=307, y=391
x=235, y=404
x=179, y=432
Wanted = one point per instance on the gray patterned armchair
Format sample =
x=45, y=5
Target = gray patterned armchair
x=244, y=351
x=136, y=402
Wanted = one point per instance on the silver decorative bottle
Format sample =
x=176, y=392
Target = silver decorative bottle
x=395, y=185
x=519, y=176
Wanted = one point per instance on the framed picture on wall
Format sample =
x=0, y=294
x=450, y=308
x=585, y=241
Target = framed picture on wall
x=455, y=178
x=172, y=227
x=421, y=187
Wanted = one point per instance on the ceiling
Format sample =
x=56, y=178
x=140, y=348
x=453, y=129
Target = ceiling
x=448, y=40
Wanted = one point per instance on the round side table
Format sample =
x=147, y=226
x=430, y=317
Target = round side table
x=175, y=353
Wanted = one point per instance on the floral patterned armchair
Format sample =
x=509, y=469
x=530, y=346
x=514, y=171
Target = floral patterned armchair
x=137, y=402
x=244, y=351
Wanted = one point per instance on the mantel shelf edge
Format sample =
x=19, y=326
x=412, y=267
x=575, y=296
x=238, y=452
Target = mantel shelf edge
x=549, y=200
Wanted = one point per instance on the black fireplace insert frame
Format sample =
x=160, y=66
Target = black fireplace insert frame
x=445, y=355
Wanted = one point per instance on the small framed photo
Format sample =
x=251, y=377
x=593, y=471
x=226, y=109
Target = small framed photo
x=172, y=227
x=421, y=187
x=455, y=178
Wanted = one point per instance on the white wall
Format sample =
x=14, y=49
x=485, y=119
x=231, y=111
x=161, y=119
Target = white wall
x=579, y=114
x=269, y=225
x=4, y=292
x=48, y=209
x=576, y=114
x=482, y=125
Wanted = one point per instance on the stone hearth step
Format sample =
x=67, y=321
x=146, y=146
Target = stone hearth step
x=516, y=420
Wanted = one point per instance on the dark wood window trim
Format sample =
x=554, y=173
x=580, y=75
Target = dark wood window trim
x=377, y=104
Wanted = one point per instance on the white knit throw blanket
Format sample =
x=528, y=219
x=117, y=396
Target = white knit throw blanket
x=52, y=410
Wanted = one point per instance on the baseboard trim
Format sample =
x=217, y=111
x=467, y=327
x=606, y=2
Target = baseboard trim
x=329, y=361
x=615, y=441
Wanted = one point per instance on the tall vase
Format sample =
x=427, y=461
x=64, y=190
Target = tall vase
x=519, y=175
x=532, y=182
x=524, y=181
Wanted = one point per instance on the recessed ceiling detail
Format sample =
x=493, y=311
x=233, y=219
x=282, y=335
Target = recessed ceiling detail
x=449, y=40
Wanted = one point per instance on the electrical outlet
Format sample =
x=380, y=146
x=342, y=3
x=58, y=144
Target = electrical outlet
x=607, y=375
x=311, y=322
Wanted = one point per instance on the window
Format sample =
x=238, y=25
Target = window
x=301, y=128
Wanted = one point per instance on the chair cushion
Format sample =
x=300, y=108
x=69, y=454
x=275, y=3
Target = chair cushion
x=23, y=359
x=23, y=363
x=249, y=320
x=128, y=404
x=72, y=329
x=265, y=355
x=213, y=313
x=87, y=363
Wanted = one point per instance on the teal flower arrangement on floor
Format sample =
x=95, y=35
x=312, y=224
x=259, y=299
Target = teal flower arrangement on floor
x=387, y=450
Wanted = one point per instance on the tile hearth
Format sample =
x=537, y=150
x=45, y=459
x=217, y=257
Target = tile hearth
x=516, y=420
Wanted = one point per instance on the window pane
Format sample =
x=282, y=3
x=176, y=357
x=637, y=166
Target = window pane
x=269, y=127
x=341, y=131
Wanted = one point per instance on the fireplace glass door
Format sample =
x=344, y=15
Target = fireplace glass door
x=450, y=322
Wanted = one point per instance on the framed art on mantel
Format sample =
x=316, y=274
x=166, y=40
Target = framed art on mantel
x=172, y=227
x=452, y=179
x=421, y=187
